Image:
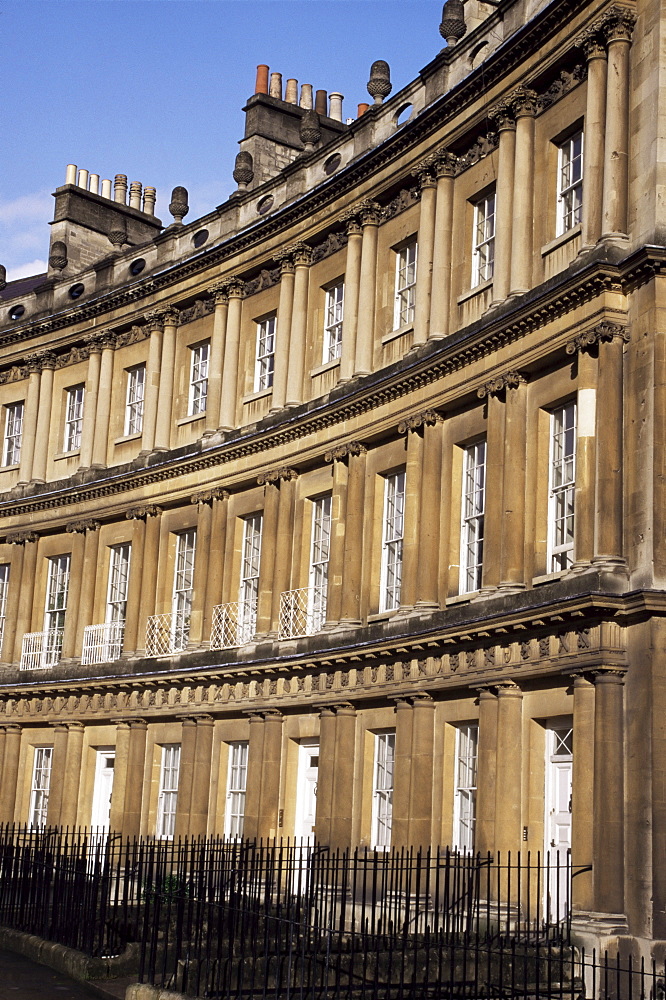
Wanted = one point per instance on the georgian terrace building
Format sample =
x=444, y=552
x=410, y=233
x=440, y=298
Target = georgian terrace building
x=339, y=512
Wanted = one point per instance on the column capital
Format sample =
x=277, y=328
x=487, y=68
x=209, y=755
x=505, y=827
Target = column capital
x=366, y=213
x=132, y=723
x=276, y=475
x=40, y=360
x=80, y=527
x=21, y=537
x=418, y=420
x=592, y=41
x=604, y=331
x=262, y=714
x=207, y=496
x=524, y=102
x=301, y=254
x=508, y=689
x=159, y=318
x=219, y=292
x=97, y=342
x=285, y=259
x=425, y=171
x=13, y=728
x=235, y=286
x=351, y=222
x=343, y=451
x=608, y=675
x=334, y=707
x=503, y=115
x=143, y=513
x=500, y=383
x=446, y=163
x=617, y=24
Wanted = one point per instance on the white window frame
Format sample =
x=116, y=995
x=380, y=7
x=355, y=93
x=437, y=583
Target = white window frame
x=40, y=785
x=167, y=797
x=382, y=790
x=264, y=365
x=333, y=316
x=320, y=553
x=57, y=592
x=466, y=763
x=234, y=816
x=561, y=487
x=472, y=517
x=406, y=260
x=73, y=417
x=198, y=392
x=393, y=530
x=183, y=586
x=4, y=590
x=483, y=238
x=134, y=400
x=570, y=183
x=248, y=591
x=11, y=449
x=118, y=583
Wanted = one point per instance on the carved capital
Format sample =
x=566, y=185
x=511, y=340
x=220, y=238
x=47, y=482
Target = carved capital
x=40, y=360
x=499, y=384
x=524, y=102
x=617, y=24
x=425, y=171
x=446, y=163
x=97, y=342
x=503, y=115
x=80, y=527
x=21, y=537
x=235, y=287
x=352, y=223
x=219, y=292
x=589, y=339
x=285, y=259
x=593, y=42
x=370, y=212
x=143, y=513
x=343, y=451
x=282, y=474
x=207, y=496
x=418, y=420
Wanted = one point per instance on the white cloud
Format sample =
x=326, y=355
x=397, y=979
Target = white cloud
x=24, y=231
x=26, y=270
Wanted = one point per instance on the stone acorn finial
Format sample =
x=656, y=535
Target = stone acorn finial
x=178, y=205
x=310, y=130
x=379, y=84
x=3, y=277
x=453, y=25
x=118, y=235
x=58, y=256
x=243, y=169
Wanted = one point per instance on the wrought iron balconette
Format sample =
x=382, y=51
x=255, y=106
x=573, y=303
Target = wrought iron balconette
x=302, y=612
x=102, y=643
x=168, y=633
x=233, y=624
x=41, y=649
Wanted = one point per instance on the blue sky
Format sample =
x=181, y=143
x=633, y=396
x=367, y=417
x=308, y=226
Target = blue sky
x=154, y=89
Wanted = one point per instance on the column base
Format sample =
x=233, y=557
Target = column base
x=423, y=606
x=511, y=587
x=597, y=930
x=350, y=623
x=578, y=567
x=483, y=594
x=611, y=564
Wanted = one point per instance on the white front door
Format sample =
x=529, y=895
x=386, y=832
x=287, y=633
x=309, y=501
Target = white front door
x=306, y=792
x=101, y=807
x=559, y=769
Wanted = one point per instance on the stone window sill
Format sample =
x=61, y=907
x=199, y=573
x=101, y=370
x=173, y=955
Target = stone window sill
x=471, y=292
x=9, y=468
x=462, y=598
x=127, y=438
x=191, y=418
x=382, y=616
x=66, y=454
x=335, y=363
x=261, y=394
x=400, y=332
x=538, y=581
x=560, y=241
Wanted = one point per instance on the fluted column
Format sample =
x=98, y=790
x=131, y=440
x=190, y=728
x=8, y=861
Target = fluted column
x=609, y=547
x=352, y=570
x=57, y=778
x=152, y=387
x=29, y=436
x=16, y=540
x=593, y=45
x=89, y=410
x=586, y=447
x=608, y=858
x=170, y=318
x=43, y=429
x=486, y=773
x=283, y=543
x=352, y=287
x=302, y=256
x=136, y=761
x=426, y=247
x=148, y=566
x=229, y=400
x=582, y=793
x=370, y=215
x=440, y=301
x=617, y=26
x=10, y=766
x=283, y=331
x=87, y=578
x=508, y=812
x=29, y=539
x=271, y=483
x=72, y=776
x=505, y=122
x=524, y=106
x=220, y=295
x=103, y=407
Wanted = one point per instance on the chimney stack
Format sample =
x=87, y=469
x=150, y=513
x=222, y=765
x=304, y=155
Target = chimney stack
x=261, y=84
x=306, y=96
x=321, y=100
x=276, y=86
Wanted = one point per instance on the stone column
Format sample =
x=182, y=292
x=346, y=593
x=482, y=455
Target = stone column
x=220, y=295
x=426, y=249
x=593, y=45
x=440, y=302
x=89, y=410
x=618, y=25
x=16, y=540
x=2, y=749
x=10, y=766
x=119, y=787
x=87, y=577
x=271, y=483
x=512, y=566
x=609, y=428
x=283, y=330
x=29, y=540
x=152, y=387
x=524, y=105
x=216, y=568
x=188, y=741
x=170, y=318
x=201, y=777
x=229, y=401
x=508, y=814
x=136, y=762
x=42, y=432
x=370, y=214
x=586, y=447
x=204, y=502
x=487, y=773
x=503, y=117
x=57, y=779
x=103, y=410
x=342, y=801
x=325, y=774
x=29, y=436
x=137, y=515
x=582, y=787
x=493, y=391
x=283, y=543
x=338, y=520
x=302, y=256
x=263, y=775
x=402, y=773
x=149, y=566
x=422, y=771
x=72, y=776
x=413, y=428
x=608, y=800
x=427, y=579
x=255, y=757
x=352, y=571
x=352, y=286
x=77, y=530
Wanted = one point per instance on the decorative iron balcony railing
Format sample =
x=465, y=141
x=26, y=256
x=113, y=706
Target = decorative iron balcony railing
x=302, y=612
x=102, y=643
x=167, y=633
x=41, y=649
x=233, y=624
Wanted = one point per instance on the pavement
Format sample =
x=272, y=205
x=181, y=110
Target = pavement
x=23, y=979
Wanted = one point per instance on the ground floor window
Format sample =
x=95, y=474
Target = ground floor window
x=168, y=793
x=382, y=795
x=39, y=791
